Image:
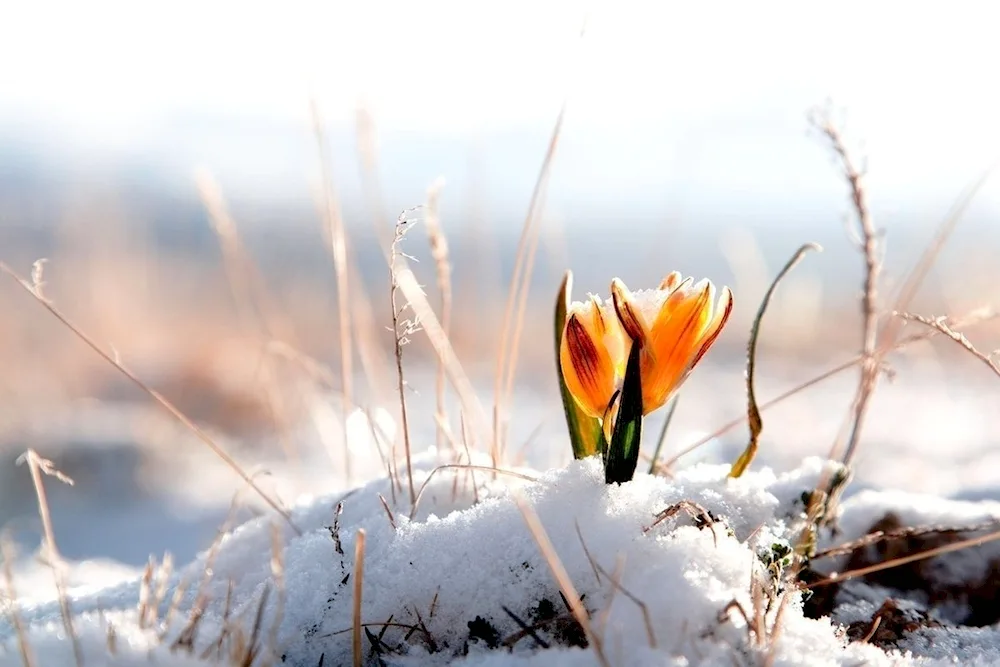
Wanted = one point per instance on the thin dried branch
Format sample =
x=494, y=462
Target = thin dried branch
x=838, y=577
x=402, y=329
x=915, y=531
x=869, y=246
x=940, y=324
x=38, y=466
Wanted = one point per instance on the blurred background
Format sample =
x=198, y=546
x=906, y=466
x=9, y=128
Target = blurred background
x=686, y=145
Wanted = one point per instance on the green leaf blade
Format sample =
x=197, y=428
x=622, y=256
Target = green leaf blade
x=623, y=450
x=585, y=433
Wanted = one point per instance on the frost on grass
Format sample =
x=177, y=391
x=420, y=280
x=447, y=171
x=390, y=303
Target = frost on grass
x=465, y=583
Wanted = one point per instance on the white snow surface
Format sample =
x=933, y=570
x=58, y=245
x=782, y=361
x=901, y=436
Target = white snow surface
x=460, y=559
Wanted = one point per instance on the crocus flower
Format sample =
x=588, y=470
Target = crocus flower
x=592, y=354
x=675, y=325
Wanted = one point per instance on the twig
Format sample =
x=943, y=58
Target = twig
x=940, y=324
x=359, y=575
x=338, y=246
x=869, y=302
x=37, y=466
x=837, y=577
x=562, y=578
x=152, y=393
x=753, y=412
x=883, y=535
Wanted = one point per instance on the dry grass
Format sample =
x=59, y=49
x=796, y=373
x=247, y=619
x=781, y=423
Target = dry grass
x=38, y=466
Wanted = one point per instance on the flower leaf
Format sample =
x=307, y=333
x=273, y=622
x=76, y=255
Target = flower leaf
x=584, y=431
x=623, y=450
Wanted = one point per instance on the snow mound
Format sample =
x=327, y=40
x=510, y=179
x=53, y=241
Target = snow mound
x=465, y=583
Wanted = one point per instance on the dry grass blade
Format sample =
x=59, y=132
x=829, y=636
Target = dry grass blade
x=869, y=301
x=159, y=398
x=334, y=224
x=359, y=575
x=911, y=558
x=940, y=324
x=915, y=278
x=517, y=294
x=883, y=535
x=6, y=555
x=442, y=265
x=454, y=445
x=753, y=411
x=615, y=579
x=472, y=409
x=464, y=466
x=562, y=578
x=37, y=467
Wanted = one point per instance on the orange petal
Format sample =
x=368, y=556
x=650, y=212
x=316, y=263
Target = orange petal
x=587, y=367
x=628, y=312
x=675, y=344
x=714, y=328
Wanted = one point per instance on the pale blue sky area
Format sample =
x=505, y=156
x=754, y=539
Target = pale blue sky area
x=676, y=109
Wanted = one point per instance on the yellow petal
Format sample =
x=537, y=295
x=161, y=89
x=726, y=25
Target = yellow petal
x=611, y=416
x=587, y=365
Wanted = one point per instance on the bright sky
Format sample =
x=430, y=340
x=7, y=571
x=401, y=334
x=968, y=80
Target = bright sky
x=918, y=80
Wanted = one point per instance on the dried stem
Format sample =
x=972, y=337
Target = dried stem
x=34, y=290
x=910, y=558
x=753, y=411
x=472, y=409
x=940, y=324
x=439, y=251
x=465, y=466
x=402, y=329
x=37, y=466
x=334, y=223
x=869, y=247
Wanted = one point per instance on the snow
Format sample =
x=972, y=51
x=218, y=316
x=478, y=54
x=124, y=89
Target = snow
x=466, y=564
